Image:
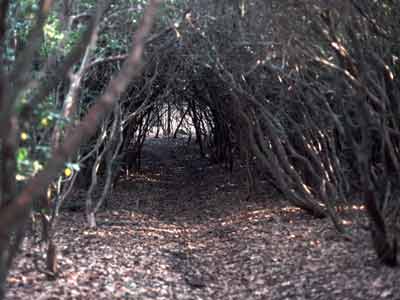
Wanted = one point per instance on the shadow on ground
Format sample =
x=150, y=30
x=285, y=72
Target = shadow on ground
x=184, y=229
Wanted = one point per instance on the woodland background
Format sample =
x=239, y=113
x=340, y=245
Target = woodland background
x=301, y=97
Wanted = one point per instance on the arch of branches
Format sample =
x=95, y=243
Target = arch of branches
x=304, y=93
x=312, y=105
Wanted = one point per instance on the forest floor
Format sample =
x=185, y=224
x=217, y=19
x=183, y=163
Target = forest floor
x=184, y=229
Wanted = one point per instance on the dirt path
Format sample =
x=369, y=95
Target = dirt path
x=183, y=229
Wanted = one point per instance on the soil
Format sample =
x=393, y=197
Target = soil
x=182, y=228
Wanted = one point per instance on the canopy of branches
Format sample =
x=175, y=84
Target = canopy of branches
x=306, y=93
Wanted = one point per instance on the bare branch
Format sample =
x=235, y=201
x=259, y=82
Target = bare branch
x=3, y=16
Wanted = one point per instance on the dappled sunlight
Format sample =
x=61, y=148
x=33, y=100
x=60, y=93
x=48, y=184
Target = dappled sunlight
x=291, y=209
x=176, y=149
x=247, y=216
x=353, y=207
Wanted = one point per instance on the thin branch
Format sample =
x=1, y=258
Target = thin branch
x=3, y=16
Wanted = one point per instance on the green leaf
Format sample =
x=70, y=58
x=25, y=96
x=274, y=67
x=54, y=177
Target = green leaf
x=22, y=154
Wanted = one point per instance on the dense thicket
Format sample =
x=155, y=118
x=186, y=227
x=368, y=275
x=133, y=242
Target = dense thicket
x=305, y=93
